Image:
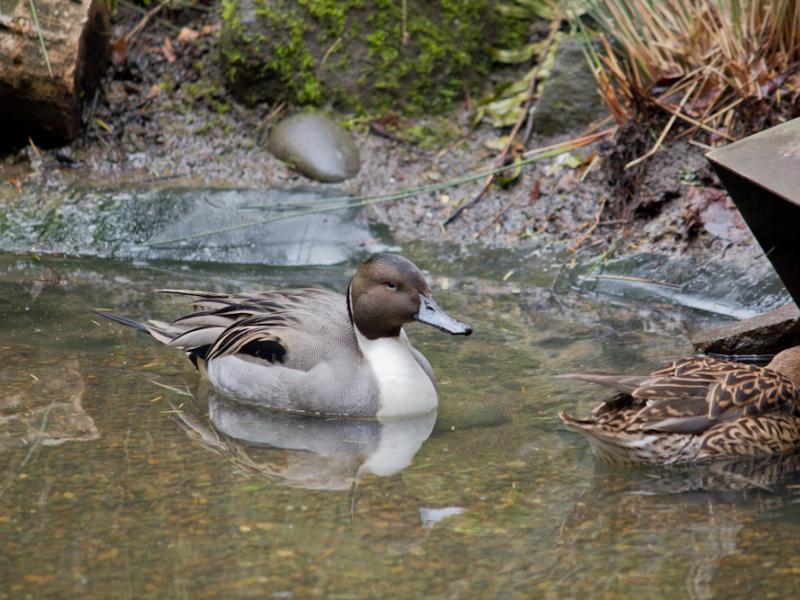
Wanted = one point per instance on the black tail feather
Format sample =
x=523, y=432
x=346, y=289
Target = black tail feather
x=122, y=320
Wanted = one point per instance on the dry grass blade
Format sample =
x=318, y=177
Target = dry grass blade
x=592, y=226
x=144, y=21
x=38, y=26
x=664, y=133
x=731, y=54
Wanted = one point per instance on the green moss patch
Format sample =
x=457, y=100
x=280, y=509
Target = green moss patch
x=361, y=55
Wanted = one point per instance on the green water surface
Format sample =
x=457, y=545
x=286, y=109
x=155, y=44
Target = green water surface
x=113, y=486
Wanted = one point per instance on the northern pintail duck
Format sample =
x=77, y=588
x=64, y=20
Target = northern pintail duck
x=696, y=409
x=315, y=351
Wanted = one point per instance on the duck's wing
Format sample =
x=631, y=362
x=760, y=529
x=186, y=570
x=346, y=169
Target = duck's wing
x=686, y=381
x=692, y=394
x=687, y=378
x=677, y=379
x=263, y=325
x=752, y=392
x=695, y=394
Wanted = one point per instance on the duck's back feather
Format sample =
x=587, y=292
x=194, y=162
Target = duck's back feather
x=714, y=407
x=294, y=328
x=702, y=392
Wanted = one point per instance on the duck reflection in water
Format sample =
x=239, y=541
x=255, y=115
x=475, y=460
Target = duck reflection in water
x=331, y=454
x=321, y=453
x=713, y=508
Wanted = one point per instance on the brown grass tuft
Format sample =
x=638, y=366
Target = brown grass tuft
x=716, y=66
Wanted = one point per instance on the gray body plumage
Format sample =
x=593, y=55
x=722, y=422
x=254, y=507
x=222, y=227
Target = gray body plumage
x=292, y=350
x=313, y=351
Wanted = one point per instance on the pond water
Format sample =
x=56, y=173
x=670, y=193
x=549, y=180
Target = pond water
x=121, y=476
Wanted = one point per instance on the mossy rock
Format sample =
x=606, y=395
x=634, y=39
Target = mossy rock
x=353, y=53
x=569, y=98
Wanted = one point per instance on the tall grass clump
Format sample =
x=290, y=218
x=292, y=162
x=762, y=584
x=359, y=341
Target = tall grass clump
x=721, y=67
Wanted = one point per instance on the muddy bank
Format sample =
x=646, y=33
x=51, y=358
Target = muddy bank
x=164, y=114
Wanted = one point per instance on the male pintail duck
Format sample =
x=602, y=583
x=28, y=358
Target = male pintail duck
x=696, y=409
x=315, y=351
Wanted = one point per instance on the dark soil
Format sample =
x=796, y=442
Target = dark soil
x=163, y=112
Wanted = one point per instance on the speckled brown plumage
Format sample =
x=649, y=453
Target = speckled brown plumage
x=695, y=409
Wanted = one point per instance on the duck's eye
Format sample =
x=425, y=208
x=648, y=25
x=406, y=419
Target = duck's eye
x=391, y=285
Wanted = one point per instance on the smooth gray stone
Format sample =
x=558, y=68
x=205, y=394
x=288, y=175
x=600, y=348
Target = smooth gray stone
x=315, y=146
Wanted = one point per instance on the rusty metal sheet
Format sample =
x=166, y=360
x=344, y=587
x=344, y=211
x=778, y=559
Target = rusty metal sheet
x=762, y=176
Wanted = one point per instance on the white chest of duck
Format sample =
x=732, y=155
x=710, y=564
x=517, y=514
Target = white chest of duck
x=405, y=389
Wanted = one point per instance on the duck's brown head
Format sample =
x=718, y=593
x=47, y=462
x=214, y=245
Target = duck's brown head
x=389, y=291
x=788, y=363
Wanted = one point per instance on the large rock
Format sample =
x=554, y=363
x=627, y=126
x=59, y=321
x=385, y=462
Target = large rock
x=737, y=290
x=569, y=98
x=358, y=54
x=316, y=146
x=36, y=103
x=763, y=334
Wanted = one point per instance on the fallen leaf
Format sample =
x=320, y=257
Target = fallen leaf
x=119, y=49
x=567, y=182
x=188, y=36
x=498, y=143
x=15, y=182
x=712, y=209
x=108, y=554
x=38, y=578
x=155, y=90
x=168, y=51
x=536, y=191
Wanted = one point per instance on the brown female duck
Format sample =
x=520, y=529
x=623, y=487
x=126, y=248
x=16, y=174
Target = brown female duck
x=696, y=409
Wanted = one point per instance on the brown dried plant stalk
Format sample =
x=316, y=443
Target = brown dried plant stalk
x=699, y=61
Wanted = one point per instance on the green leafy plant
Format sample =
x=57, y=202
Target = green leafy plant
x=504, y=105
